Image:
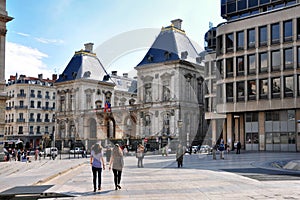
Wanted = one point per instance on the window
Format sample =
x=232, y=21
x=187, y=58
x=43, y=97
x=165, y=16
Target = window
x=53, y=97
x=251, y=117
x=231, y=6
x=275, y=87
x=220, y=45
x=47, y=117
x=288, y=58
x=39, y=95
x=298, y=28
x=30, y=129
x=206, y=70
x=263, y=89
x=263, y=62
x=229, y=42
x=263, y=36
x=229, y=67
x=240, y=91
x=38, y=130
x=240, y=40
x=240, y=66
x=242, y=4
x=252, y=90
x=288, y=86
x=38, y=118
x=272, y=116
x=39, y=104
x=21, y=104
x=298, y=57
x=276, y=61
x=229, y=92
x=251, y=38
x=298, y=85
x=288, y=30
x=31, y=104
x=275, y=33
x=253, y=3
x=47, y=95
x=220, y=68
x=31, y=119
x=251, y=64
x=261, y=2
x=32, y=93
x=20, y=130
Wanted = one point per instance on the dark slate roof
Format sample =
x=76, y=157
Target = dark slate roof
x=171, y=44
x=84, y=65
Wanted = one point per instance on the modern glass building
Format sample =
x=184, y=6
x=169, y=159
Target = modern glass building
x=258, y=75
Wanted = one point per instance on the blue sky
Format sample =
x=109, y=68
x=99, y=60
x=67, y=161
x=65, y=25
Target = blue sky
x=44, y=35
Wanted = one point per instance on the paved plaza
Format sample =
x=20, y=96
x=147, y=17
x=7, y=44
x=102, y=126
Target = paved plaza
x=239, y=176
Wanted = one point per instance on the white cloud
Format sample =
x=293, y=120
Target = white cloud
x=49, y=41
x=25, y=60
x=23, y=34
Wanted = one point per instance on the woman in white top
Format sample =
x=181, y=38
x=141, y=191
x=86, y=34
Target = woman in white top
x=97, y=163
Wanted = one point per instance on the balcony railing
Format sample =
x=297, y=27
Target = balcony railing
x=38, y=120
x=32, y=95
x=20, y=120
x=21, y=107
x=21, y=95
x=39, y=96
x=47, y=120
x=31, y=120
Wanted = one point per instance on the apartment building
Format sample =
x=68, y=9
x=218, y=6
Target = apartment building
x=30, y=110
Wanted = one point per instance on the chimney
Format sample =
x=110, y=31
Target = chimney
x=114, y=73
x=125, y=75
x=89, y=47
x=54, y=77
x=177, y=23
x=40, y=76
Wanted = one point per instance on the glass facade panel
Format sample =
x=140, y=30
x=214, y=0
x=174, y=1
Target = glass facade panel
x=289, y=86
x=229, y=67
x=288, y=58
x=242, y=4
x=275, y=88
x=298, y=28
x=263, y=89
x=276, y=60
x=288, y=30
x=220, y=71
x=252, y=90
x=298, y=56
x=240, y=66
x=263, y=62
x=275, y=33
x=251, y=64
x=263, y=36
x=251, y=38
x=261, y=2
x=229, y=42
x=231, y=6
x=298, y=85
x=229, y=92
x=240, y=91
x=240, y=40
x=253, y=3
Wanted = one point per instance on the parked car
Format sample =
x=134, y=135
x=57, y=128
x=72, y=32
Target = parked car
x=51, y=151
x=76, y=150
x=205, y=149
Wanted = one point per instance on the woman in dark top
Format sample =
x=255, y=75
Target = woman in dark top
x=117, y=164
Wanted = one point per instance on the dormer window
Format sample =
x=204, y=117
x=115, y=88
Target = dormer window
x=150, y=58
x=167, y=55
x=87, y=74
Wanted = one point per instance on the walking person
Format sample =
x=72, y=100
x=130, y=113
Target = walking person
x=98, y=164
x=140, y=155
x=238, y=147
x=117, y=164
x=108, y=154
x=222, y=149
x=179, y=155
